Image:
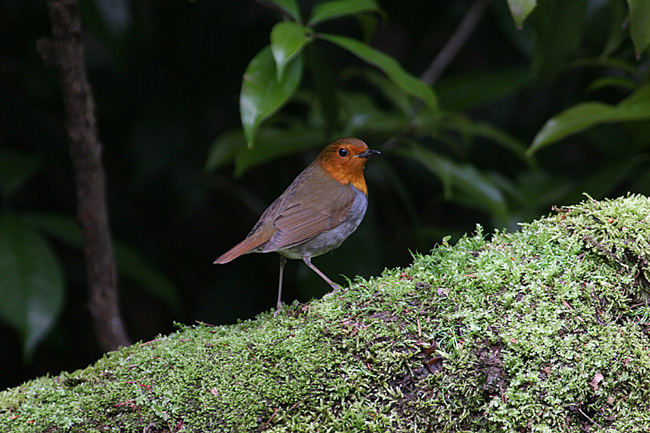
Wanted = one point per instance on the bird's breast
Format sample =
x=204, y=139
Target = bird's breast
x=334, y=237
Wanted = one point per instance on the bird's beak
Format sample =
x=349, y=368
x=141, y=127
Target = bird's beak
x=368, y=153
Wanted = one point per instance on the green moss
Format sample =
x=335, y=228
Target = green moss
x=542, y=330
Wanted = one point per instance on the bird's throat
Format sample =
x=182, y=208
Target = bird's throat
x=346, y=175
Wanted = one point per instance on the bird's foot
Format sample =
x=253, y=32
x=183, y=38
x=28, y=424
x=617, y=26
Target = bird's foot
x=336, y=289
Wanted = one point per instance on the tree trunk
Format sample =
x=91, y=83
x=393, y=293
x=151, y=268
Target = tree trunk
x=65, y=52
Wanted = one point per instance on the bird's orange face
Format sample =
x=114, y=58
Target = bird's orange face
x=345, y=160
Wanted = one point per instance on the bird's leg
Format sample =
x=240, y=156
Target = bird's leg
x=307, y=260
x=283, y=261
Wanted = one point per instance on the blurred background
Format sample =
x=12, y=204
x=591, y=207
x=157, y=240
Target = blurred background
x=184, y=187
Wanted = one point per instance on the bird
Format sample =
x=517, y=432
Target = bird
x=316, y=213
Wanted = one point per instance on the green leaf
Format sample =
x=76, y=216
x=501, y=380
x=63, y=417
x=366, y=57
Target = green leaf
x=338, y=8
x=15, y=170
x=367, y=25
x=617, y=33
x=224, y=148
x=390, y=91
x=407, y=82
x=363, y=116
x=274, y=143
x=325, y=86
x=520, y=10
x=639, y=99
x=63, y=228
x=262, y=94
x=557, y=29
x=463, y=176
x=536, y=189
x=600, y=62
x=287, y=41
x=603, y=82
x=465, y=125
x=589, y=114
x=31, y=282
x=604, y=180
x=573, y=120
x=130, y=264
x=290, y=7
x=639, y=24
x=467, y=91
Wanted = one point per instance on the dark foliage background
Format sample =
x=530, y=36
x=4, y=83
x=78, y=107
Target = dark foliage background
x=166, y=77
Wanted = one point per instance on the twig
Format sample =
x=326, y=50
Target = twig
x=449, y=52
x=275, y=411
x=592, y=421
x=445, y=57
x=65, y=52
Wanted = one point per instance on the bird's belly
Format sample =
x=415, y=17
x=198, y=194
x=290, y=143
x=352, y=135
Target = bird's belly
x=333, y=238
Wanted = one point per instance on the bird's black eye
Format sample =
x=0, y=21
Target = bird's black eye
x=343, y=152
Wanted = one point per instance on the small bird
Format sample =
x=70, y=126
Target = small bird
x=316, y=213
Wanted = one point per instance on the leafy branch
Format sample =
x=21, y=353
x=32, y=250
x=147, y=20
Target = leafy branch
x=419, y=123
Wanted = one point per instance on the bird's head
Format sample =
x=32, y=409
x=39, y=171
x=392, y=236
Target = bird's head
x=345, y=159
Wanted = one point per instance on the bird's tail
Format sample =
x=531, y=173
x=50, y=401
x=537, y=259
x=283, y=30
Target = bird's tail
x=245, y=246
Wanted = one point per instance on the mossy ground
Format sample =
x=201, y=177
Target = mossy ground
x=543, y=330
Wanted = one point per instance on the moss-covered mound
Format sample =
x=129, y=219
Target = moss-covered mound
x=543, y=330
